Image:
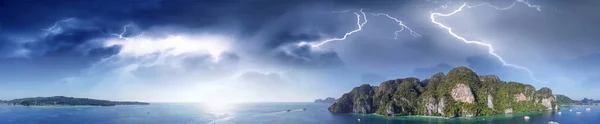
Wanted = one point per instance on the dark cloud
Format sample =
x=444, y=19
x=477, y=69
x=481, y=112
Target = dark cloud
x=274, y=27
x=485, y=64
x=424, y=73
x=51, y=55
x=275, y=23
x=306, y=56
x=68, y=43
x=586, y=63
x=585, y=67
x=103, y=52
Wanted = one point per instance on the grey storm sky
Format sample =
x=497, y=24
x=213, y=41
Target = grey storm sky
x=252, y=52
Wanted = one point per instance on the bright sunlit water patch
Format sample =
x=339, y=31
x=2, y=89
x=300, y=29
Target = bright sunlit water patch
x=222, y=111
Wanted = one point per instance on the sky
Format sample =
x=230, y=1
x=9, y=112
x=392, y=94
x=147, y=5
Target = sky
x=287, y=51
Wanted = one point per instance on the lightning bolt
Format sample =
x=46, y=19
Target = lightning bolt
x=537, y=7
x=491, y=50
x=358, y=23
x=56, y=24
x=120, y=35
x=400, y=23
x=123, y=33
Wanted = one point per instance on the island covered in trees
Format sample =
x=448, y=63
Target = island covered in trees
x=65, y=101
x=460, y=93
x=326, y=100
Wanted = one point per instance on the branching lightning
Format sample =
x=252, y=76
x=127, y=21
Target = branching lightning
x=358, y=23
x=125, y=31
x=57, y=23
x=57, y=26
x=491, y=50
x=400, y=23
x=361, y=18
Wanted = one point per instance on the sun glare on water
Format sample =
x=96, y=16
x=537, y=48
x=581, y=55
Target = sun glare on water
x=222, y=111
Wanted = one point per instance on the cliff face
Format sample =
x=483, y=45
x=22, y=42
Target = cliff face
x=460, y=93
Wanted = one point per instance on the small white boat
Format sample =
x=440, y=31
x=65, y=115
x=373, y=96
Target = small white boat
x=578, y=113
x=552, y=122
x=559, y=113
x=526, y=117
x=588, y=109
x=359, y=119
x=570, y=110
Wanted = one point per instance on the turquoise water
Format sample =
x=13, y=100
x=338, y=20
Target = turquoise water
x=252, y=113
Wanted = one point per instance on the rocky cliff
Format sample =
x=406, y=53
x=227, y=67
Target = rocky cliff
x=459, y=93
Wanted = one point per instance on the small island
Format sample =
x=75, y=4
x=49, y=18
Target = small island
x=460, y=93
x=327, y=100
x=563, y=100
x=66, y=101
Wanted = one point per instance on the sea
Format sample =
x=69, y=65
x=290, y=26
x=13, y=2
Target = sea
x=262, y=113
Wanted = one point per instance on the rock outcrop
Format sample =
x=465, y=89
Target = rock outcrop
x=520, y=97
x=508, y=111
x=459, y=93
x=462, y=93
x=490, y=102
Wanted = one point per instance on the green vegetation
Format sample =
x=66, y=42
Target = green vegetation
x=66, y=101
x=564, y=100
x=460, y=93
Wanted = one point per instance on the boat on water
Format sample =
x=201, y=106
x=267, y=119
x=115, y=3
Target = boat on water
x=526, y=117
x=288, y=110
x=588, y=109
x=559, y=113
x=578, y=113
x=552, y=122
x=303, y=108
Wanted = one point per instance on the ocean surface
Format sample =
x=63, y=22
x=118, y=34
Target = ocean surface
x=259, y=113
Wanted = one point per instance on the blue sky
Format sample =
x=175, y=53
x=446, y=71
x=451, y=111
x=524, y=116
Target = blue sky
x=263, y=51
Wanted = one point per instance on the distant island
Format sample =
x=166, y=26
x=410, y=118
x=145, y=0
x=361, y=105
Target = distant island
x=566, y=101
x=327, y=100
x=65, y=101
x=460, y=93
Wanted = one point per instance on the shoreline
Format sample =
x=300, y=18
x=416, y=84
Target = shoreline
x=476, y=118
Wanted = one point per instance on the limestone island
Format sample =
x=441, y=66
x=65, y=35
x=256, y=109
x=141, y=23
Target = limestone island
x=460, y=93
x=326, y=100
x=65, y=101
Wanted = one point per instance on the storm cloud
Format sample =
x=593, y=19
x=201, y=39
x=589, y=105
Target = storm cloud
x=192, y=48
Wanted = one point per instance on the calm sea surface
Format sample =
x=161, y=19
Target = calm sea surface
x=258, y=113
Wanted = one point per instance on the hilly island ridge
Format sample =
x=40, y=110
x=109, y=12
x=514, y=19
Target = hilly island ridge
x=65, y=101
x=459, y=93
